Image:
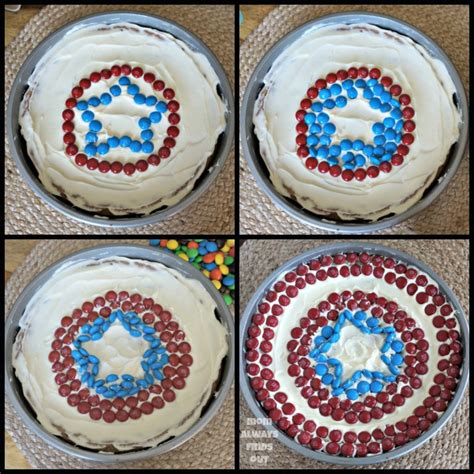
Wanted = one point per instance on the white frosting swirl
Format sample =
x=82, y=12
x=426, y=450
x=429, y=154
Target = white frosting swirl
x=118, y=352
x=71, y=285
x=326, y=49
x=358, y=351
x=92, y=48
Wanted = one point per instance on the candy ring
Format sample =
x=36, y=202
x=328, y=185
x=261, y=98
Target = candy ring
x=330, y=368
x=165, y=362
x=324, y=148
x=381, y=371
x=121, y=83
x=372, y=322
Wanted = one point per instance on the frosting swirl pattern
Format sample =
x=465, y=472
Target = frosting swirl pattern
x=356, y=351
x=95, y=48
x=322, y=51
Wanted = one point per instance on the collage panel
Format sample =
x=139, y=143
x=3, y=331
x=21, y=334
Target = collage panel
x=135, y=242
x=120, y=120
x=354, y=353
x=120, y=352
x=354, y=120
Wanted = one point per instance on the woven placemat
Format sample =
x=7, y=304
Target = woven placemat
x=449, y=27
x=213, y=212
x=213, y=447
x=449, y=449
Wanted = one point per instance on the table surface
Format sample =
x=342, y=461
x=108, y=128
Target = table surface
x=253, y=16
x=14, y=22
x=16, y=252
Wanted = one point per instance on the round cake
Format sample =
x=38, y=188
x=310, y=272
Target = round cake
x=119, y=354
x=120, y=119
x=354, y=354
x=355, y=121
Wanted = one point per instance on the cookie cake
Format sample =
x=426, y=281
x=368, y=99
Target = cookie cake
x=355, y=122
x=118, y=354
x=354, y=354
x=120, y=119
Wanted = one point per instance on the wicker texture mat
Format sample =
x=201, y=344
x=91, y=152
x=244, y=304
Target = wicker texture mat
x=449, y=449
x=213, y=447
x=213, y=212
x=449, y=27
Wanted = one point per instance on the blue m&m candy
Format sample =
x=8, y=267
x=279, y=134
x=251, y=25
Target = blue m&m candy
x=139, y=99
x=372, y=322
x=310, y=118
x=95, y=126
x=327, y=332
x=155, y=117
x=321, y=369
x=102, y=149
x=161, y=107
x=135, y=146
x=147, y=147
x=113, y=142
x=363, y=387
x=105, y=98
x=82, y=105
x=329, y=128
x=94, y=101
x=376, y=387
x=115, y=91
x=144, y=123
x=91, y=137
x=132, y=89
x=125, y=141
x=352, y=394
x=90, y=149
x=397, y=346
x=146, y=135
x=87, y=116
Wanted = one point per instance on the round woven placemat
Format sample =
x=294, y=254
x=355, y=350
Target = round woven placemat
x=212, y=447
x=213, y=212
x=449, y=449
x=449, y=27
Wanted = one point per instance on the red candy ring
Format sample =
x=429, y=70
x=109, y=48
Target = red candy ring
x=413, y=375
x=360, y=174
x=116, y=167
x=145, y=401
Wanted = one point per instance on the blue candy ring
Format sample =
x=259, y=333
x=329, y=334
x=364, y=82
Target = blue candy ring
x=165, y=362
x=361, y=381
x=323, y=148
x=122, y=80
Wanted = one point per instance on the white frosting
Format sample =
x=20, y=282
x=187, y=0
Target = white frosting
x=96, y=47
x=358, y=351
x=322, y=50
x=118, y=352
x=349, y=348
x=192, y=307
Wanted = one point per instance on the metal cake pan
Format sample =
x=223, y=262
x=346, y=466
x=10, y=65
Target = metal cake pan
x=13, y=387
x=332, y=249
x=258, y=167
x=26, y=166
